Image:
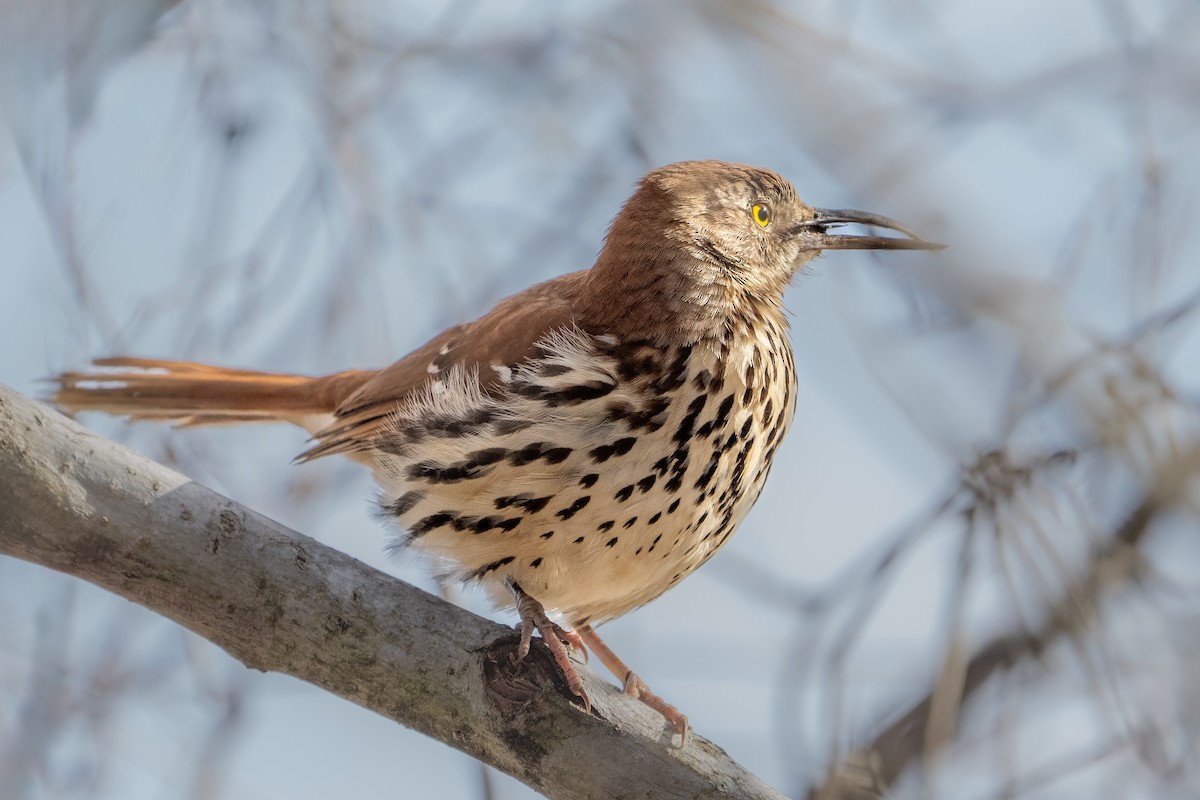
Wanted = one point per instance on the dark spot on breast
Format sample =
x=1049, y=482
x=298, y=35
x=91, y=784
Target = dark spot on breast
x=404, y=503
x=745, y=431
x=606, y=526
x=679, y=458
x=432, y=522
x=709, y=471
x=509, y=426
x=571, y=510
x=532, y=452
x=547, y=534
x=618, y=448
x=615, y=412
x=553, y=370
x=578, y=541
x=674, y=505
x=624, y=493
x=702, y=380
x=527, y=388
x=772, y=435
x=535, y=504
x=527, y=454
x=674, y=484
x=589, y=480
x=485, y=524
x=436, y=473
x=687, y=425
x=508, y=524
x=630, y=522
x=495, y=565
x=637, y=552
x=530, y=504
x=630, y=368
x=652, y=417
x=573, y=395
x=646, y=483
x=657, y=516
x=675, y=374
x=489, y=455
x=537, y=562
x=611, y=542
x=468, y=422
x=723, y=413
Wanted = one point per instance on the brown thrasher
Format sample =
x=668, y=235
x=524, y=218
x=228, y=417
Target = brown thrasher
x=589, y=442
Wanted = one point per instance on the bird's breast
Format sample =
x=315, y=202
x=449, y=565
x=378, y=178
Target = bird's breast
x=603, y=473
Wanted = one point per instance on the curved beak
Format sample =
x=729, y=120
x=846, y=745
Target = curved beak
x=824, y=218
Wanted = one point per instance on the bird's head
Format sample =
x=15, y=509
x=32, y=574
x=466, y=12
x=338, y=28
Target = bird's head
x=712, y=235
x=749, y=222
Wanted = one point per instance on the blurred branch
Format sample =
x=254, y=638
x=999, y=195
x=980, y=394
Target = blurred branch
x=871, y=771
x=277, y=600
x=1120, y=402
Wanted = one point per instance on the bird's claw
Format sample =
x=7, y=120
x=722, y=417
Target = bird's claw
x=557, y=638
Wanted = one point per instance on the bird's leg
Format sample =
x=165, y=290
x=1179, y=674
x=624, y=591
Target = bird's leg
x=635, y=686
x=556, y=638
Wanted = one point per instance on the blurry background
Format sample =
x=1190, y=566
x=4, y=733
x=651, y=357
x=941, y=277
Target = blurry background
x=988, y=501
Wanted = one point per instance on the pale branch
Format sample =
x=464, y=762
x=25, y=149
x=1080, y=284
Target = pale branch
x=277, y=600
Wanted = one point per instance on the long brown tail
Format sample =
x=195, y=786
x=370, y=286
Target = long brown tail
x=198, y=394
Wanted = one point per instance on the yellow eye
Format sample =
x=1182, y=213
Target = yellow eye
x=762, y=215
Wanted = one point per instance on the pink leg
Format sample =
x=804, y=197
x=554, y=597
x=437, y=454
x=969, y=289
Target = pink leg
x=556, y=638
x=635, y=686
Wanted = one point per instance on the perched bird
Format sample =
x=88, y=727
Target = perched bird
x=590, y=441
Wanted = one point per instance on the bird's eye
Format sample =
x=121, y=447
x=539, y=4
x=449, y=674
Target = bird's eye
x=762, y=215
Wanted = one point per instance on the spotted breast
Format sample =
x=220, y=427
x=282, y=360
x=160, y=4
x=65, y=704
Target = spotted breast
x=603, y=472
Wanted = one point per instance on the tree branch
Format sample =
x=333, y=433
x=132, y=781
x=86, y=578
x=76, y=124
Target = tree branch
x=277, y=600
x=871, y=771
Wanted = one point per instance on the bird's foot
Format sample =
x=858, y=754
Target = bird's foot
x=557, y=638
x=635, y=686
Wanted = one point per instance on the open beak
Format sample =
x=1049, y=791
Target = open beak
x=832, y=217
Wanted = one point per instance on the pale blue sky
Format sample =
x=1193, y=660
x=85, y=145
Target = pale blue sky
x=1002, y=129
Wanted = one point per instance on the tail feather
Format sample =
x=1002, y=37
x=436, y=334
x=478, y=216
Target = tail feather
x=198, y=394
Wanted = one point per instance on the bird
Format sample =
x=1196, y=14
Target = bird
x=589, y=442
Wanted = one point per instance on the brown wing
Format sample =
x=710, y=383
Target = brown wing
x=506, y=335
